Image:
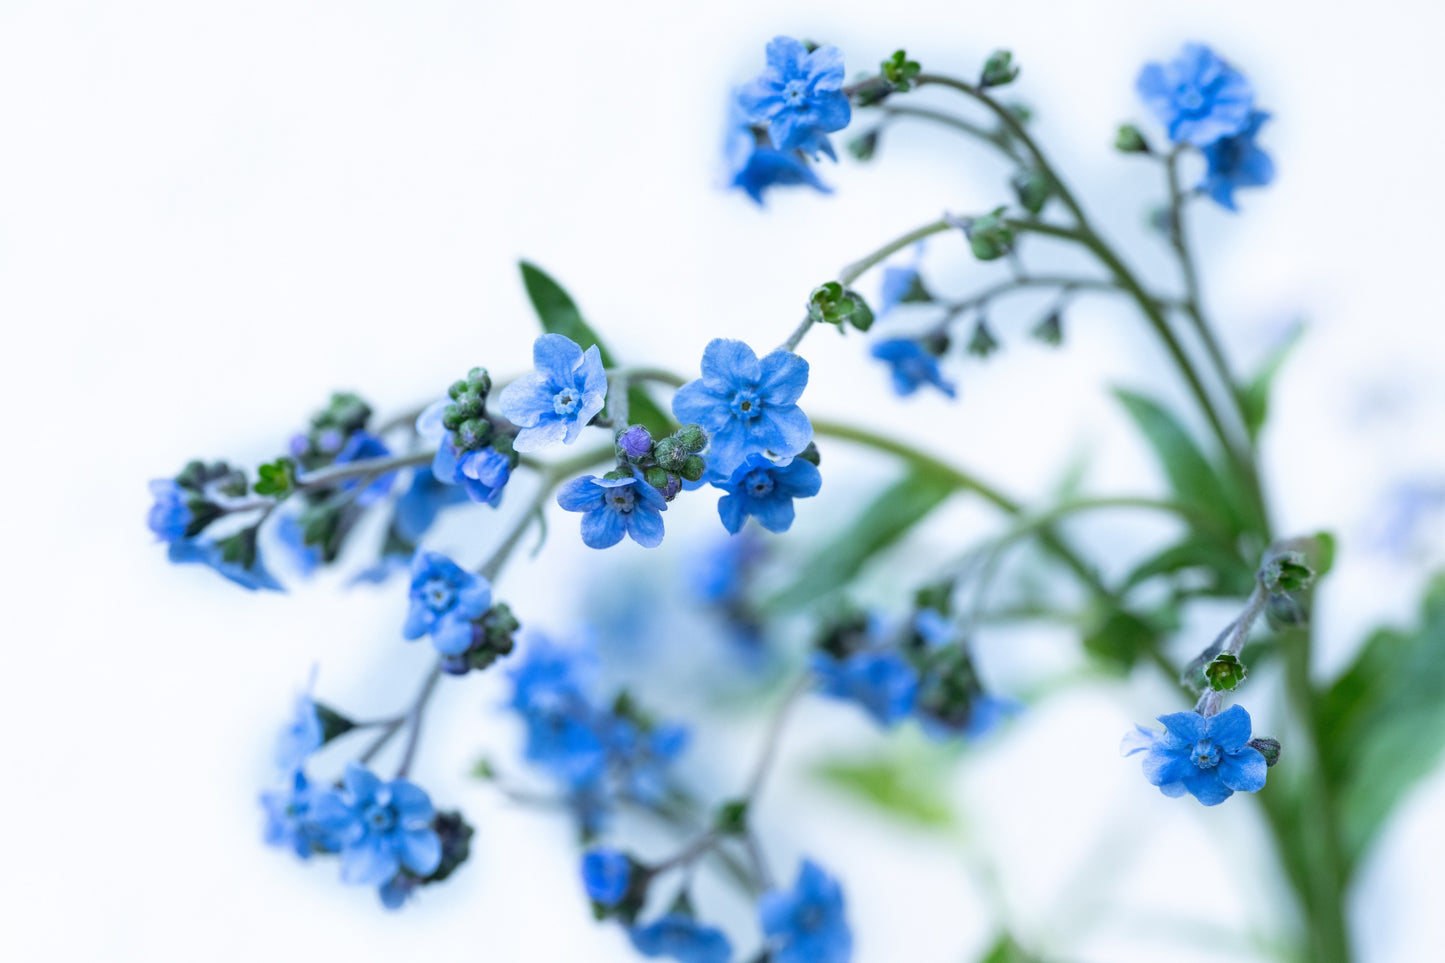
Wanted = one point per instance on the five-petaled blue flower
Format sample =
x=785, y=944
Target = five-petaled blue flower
x=680, y=937
x=1197, y=96
x=290, y=821
x=764, y=489
x=482, y=473
x=613, y=507
x=879, y=680
x=806, y=924
x=1236, y=161
x=912, y=366
x=555, y=402
x=800, y=96
x=445, y=599
x=606, y=875
x=746, y=405
x=360, y=446
x=754, y=168
x=170, y=516
x=382, y=826
x=1208, y=757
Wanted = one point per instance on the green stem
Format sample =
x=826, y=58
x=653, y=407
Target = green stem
x=326, y=477
x=552, y=476
x=957, y=123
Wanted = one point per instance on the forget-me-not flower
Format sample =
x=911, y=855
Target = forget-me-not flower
x=170, y=516
x=613, y=507
x=445, y=600
x=799, y=96
x=1208, y=757
x=764, y=489
x=1197, y=96
x=301, y=736
x=417, y=509
x=754, y=168
x=807, y=924
x=383, y=826
x=880, y=680
x=606, y=875
x=1236, y=161
x=482, y=473
x=307, y=558
x=680, y=937
x=555, y=402
x=290, y=822
x=912, y=366
x=746, y=405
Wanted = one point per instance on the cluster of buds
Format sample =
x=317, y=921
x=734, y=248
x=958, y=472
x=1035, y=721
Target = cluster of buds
x=493, y=636
x=665, y=463
x=330, y=428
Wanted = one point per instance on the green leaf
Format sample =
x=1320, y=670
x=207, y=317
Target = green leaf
x=906, y=785
x=1006, y=950
x=1254, y=394
x=277, y=478
x=559, y=315
x=1381, y=726
x=887, y=519
x=1118, y=638
x=1230, y=575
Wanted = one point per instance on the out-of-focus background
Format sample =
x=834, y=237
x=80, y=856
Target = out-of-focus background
x=213, y=214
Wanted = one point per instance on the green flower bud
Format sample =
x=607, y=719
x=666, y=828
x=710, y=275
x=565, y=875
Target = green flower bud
x=998, y=69
x=670, y=454
x=1032, y=188
x=691, y=437
x=656, y=477
x=480, y=380
x=1286, y=573
x=983, y=343
x=621, y=471
x=1267, y=747
x=456, y=388
x=472, y=434
x=1225, y=673
x=1050, y=330
x=899, y=71
x=865, y=145
x=694, y=468
x=1130, y=140
x=810, y=454
x=732, y=816
x=452, y=417
x=333, y=723
x=471, y=403
x=989, y=236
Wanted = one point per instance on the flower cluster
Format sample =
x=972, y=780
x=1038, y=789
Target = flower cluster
x=473, y=451
x=455, y=608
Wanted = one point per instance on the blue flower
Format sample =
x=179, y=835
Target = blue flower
x=359, y=447
x=606, y=875
x=800, y=96
x=1197, y=96
x=806, y=924
x=765, y=490
x=613, y=507
x=396, y=891
x=417, y=510
x=445, y=599
x=550, y=689
x=194, y=550
x=170, y=516
x=683, y=938
x=555, y=402
x=719, y=574
x=899, y=281
x=765, y=167
x=1235, y=162
x=383, y=826
x=482, y=473
x=302, y=736
x=746, y=405
x=292, y=533
x=913, y=366
x=879, y=680
x=642, y=760
x=289, y=819
x=1210, y=758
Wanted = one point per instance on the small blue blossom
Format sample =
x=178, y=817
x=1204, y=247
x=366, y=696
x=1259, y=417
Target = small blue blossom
x=555, y=402
x=613, y=507
x=306, y=558
x=1236, y=161
x=1208, y=757
x=396, y=891
x=765, y=490
x=208, y=553
x=170, y=516
x=800, y=96
x=445, y=599
x=765, y=167
x=746, y=405
x=898, y=282
x=606, y=875
x=807, y=924
x=417, y=509
x=1197, y=96
x=482, y=473
x=641, y=760
x=719, y=574
x=679, y=937
x=550, y=689
x=383, y=826
x=289, y=819
x=912, y=365
x=879, y=680
x=361, y=446
x=302, y=736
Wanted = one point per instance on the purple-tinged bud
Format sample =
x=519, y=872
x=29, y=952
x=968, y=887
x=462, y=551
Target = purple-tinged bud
x=673, y=486
x=455, y=664
x=299, y=445
x=330, y=441
x=635, y=442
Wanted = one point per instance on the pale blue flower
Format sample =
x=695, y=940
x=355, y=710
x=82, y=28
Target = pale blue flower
x=554, y=403
x=745, y=404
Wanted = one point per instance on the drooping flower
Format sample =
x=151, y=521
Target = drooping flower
x=746, y=405
x=1197, y=96
x=764, y=489
x=799, y=96
x=879, y=680
x=902, y=283
x=1208, y=757
x=417, y=509
x=807, y=924
x=680, y=937
x=170, y=516
x=613, y=507
x=482, y=473
x=307, y=558
x=555, y=402
x=290, y=823
x=606, y=875
x=301, y=736
x=363, y=445
x=445, y=599
x=383, y=827
x=763, y=168
x=208, y=553
x=1237, y=161
x=912, y=366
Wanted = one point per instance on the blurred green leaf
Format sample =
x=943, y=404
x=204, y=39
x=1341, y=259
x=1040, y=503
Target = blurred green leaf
x=1118, y=638
x=1006, y=950
x=890, y=516
x=559, y=315
x=1229, y=574
x=1382, y=723
x=907, y=785
x=1254, y=394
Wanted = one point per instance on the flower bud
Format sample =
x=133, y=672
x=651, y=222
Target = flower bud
x=470, y=403
x=989, y=236
x=1269, y=748
x=670, y=454
x=480, y=380
x=1050, y=330
x=452, y=418
x=983, y=343
x=865, y=145
x=1225, y=673
x=656, y=477
x=1130, y=140
x=635, y=442
x=694, y=468
x=1286, y=573
x=899, y=71
x=456, y=388
x=998, y=70
x=472, y=434
x=691, y=437
x=1032, y=188
x=810, y=454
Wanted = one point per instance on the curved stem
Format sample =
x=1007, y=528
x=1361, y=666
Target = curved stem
x=990, y=137
x=326, y=477
x=413, y=737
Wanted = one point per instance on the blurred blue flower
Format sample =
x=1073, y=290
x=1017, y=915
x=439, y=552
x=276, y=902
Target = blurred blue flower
x=1197, y=96
x=799, y=96
x=445, y=599
x=417, y=510
x=551, y=691
x=613, y=507
x=642, y=760
x=556, y=401
x=170, y=516
x=361, y=446
x=680, y=937
x=1236, y=161
x=289, y=819
x=912, y=366
x=764, y=489
x=746, y=405
x=481, y=473
x=383, y=826
x=306, y=558
x=302, y=736
x=208, y=553
x=898, y=281
x=606, y=875
x=1208, y=757
x=879, y=680
x=807, y=924
x=396, y=891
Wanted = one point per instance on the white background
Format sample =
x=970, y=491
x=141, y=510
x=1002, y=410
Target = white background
x=211, y=214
